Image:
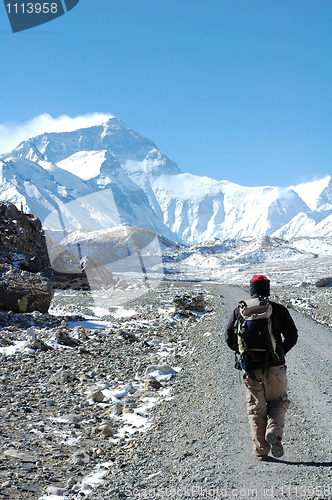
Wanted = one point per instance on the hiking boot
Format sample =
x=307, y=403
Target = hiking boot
x=277, y=448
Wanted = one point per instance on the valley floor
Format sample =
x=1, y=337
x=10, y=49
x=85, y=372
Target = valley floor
x=187, y=438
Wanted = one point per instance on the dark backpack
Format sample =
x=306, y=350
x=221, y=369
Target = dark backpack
x=257, y=344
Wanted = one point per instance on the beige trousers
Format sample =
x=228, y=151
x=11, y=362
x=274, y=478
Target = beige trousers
x=267, y=404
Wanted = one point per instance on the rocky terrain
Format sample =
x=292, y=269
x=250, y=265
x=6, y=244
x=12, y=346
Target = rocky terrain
x=147, y=400
x=53, y=373
x=22, y=239
x=129, y=391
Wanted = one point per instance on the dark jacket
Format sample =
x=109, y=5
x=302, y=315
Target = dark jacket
x=284, y=327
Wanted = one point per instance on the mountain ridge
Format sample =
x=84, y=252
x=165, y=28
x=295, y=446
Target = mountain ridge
x=108, y=174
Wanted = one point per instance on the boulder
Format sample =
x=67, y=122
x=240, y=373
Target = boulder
x=21, y=291
x=66, y=271
x=324, y=282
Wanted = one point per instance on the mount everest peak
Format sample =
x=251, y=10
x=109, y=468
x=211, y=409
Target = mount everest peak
x=108, y=174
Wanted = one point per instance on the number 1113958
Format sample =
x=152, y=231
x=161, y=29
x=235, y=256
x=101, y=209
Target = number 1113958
x=32, y=8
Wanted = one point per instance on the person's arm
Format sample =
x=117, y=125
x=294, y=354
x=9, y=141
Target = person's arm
x=287, y=328
x=230, y=335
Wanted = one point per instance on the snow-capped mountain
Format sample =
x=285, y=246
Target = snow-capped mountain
x=316, y=194
x=106, y=175
x=198, y=208
x=67, y=185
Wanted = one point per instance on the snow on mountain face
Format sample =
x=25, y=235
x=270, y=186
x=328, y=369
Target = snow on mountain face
x=301, y=223
x=25, y=181
x=88, y=164
x=114, y=136
x=323, y=228
x=198, y=208
x=316, y=193
x=108, y=174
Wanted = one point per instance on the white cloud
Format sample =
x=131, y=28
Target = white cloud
x=11, y=134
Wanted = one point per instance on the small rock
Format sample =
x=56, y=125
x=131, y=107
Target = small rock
x=155, y=384
x=73, y=418
x=106, y=430
x=96, y=396
x=128, y=336
x=6, y=484
x=81, y=332
x=31, y=332
x=62, y=377
x=80, y=457
x=130, y=388
x=323, y=282
x=116, y=409
x=121, y=283
x=71, y=481
x=127, y=410
x=38, y=345
x=63, y=338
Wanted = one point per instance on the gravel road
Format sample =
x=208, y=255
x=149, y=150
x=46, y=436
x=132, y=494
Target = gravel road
x=199, y=445
x=202, y=446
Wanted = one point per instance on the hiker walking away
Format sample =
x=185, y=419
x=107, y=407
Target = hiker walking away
x=261, y=332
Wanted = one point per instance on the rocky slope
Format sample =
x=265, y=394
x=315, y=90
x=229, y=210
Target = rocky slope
x=22, y=239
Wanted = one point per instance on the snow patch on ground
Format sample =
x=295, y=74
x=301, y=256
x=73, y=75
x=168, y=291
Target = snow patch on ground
x=12, y=349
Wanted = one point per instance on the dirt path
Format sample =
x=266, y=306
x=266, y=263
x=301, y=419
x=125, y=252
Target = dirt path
x=305, y=470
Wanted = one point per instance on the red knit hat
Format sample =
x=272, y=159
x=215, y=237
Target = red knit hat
x=259, y=285
x=259, y=277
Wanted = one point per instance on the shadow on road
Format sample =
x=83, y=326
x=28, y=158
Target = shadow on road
x=308, y=464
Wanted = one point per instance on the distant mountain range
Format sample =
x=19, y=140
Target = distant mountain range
x=107, y=175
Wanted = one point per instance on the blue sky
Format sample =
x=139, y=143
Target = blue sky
x=232, y=89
